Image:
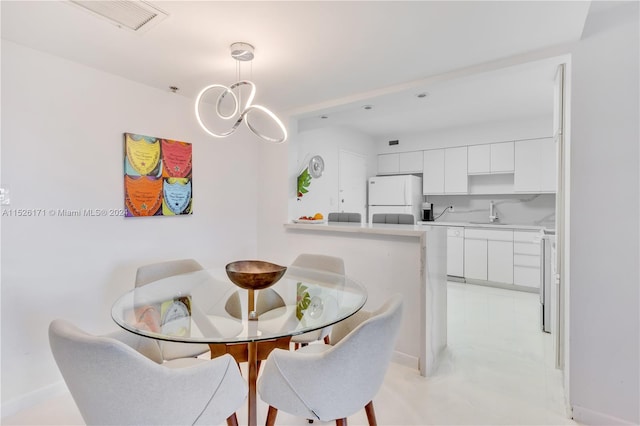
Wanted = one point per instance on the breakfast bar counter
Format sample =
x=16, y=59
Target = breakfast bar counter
x=388, y=259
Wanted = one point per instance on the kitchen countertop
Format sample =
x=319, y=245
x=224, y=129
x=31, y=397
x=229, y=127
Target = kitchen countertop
x=363, y=228
x=406, y=230
x=490, y=225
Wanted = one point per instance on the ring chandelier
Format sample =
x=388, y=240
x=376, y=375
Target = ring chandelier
x=240, y=52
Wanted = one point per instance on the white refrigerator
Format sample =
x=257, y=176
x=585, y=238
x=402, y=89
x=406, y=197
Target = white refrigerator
x=395, y=194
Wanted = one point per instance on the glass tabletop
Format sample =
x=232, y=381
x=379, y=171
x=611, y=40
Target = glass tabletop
x=206, y=307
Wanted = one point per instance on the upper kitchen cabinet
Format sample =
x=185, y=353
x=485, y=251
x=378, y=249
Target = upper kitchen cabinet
x=502, y=157
x=411, y=162
x=535, y=166
x=491, y=158
x=445, y=171
x=455, y=170
x=400, y=163
x=479, y=159
x=388, y=164
x=433, y=172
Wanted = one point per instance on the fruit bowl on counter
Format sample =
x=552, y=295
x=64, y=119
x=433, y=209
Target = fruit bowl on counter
x=316, y=218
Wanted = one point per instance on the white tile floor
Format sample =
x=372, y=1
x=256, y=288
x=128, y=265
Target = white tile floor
x=497, y=370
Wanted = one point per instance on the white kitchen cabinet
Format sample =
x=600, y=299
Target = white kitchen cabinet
x=455, y=170
x=548, y=165
x=527, y=258
x=475, y=258
x=400, y=163
x=455, y=251
x=491, y=158
x=489, y=255
x=535, y=166
x=479, y=159
x=411, y=162
x=502, y=157
x=500, y=261
x=388, y=163
x=433, y=172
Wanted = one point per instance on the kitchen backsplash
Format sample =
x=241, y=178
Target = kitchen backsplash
x=525, y=209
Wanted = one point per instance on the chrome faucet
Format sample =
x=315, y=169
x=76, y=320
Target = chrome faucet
x=493, y=214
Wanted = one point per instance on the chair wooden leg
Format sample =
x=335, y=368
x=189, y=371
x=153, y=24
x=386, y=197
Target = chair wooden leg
x=371, y=414
x=232, y=420
x=341, y=422
x=271, y=416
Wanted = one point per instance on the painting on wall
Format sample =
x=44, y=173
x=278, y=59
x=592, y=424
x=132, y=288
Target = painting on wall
x=157, y=176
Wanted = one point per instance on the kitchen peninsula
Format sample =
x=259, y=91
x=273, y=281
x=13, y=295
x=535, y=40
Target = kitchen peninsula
x=388, y=259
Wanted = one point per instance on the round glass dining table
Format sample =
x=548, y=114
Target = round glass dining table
x=206, y=307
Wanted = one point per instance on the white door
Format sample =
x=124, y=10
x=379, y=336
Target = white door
x=352, y=196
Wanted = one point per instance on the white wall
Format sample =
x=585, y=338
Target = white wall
x=327, y=142
x=604, y=289
x=62, y=148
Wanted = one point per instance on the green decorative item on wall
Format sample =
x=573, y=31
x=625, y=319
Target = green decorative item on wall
x=304, y=180
x=314, y=169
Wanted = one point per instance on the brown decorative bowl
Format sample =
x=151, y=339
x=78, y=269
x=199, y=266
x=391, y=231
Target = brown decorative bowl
x=254, y=274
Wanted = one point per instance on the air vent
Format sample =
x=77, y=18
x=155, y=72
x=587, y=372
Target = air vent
x=131, y=15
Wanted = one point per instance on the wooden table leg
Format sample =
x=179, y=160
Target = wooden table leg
x=253, y=378
x=250, y=353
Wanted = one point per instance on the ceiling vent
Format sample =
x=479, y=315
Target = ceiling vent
x=133, y=15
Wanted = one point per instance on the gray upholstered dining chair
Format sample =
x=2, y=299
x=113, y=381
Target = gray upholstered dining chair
x=153, y=272
x=319, y=262
x=394, y=218
x=333, y=382
x=112, y=383
x=344, y=217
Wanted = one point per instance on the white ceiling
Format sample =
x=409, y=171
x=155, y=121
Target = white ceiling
x=310, y=53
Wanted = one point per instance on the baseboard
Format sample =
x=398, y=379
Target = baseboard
x=31, y=399
x=590, y=417
x=405, y=360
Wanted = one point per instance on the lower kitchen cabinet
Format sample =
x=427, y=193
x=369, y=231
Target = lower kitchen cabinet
x=455, y=251
x=502, y=256
x=500, y=261
x=475, y=258
x=527, y=259
x=488, y=255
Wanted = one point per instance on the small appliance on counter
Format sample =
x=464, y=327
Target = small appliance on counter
x=427, y=212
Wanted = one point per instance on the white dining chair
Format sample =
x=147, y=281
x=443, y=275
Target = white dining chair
x=331, y=383
x=147, y=274
x=318, y=262
x=112, y=383
x=267, y=300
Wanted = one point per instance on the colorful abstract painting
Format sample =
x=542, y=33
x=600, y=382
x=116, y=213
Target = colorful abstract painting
x=157, y=176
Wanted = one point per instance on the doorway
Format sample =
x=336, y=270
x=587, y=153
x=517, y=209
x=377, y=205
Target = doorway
x=352, y=185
